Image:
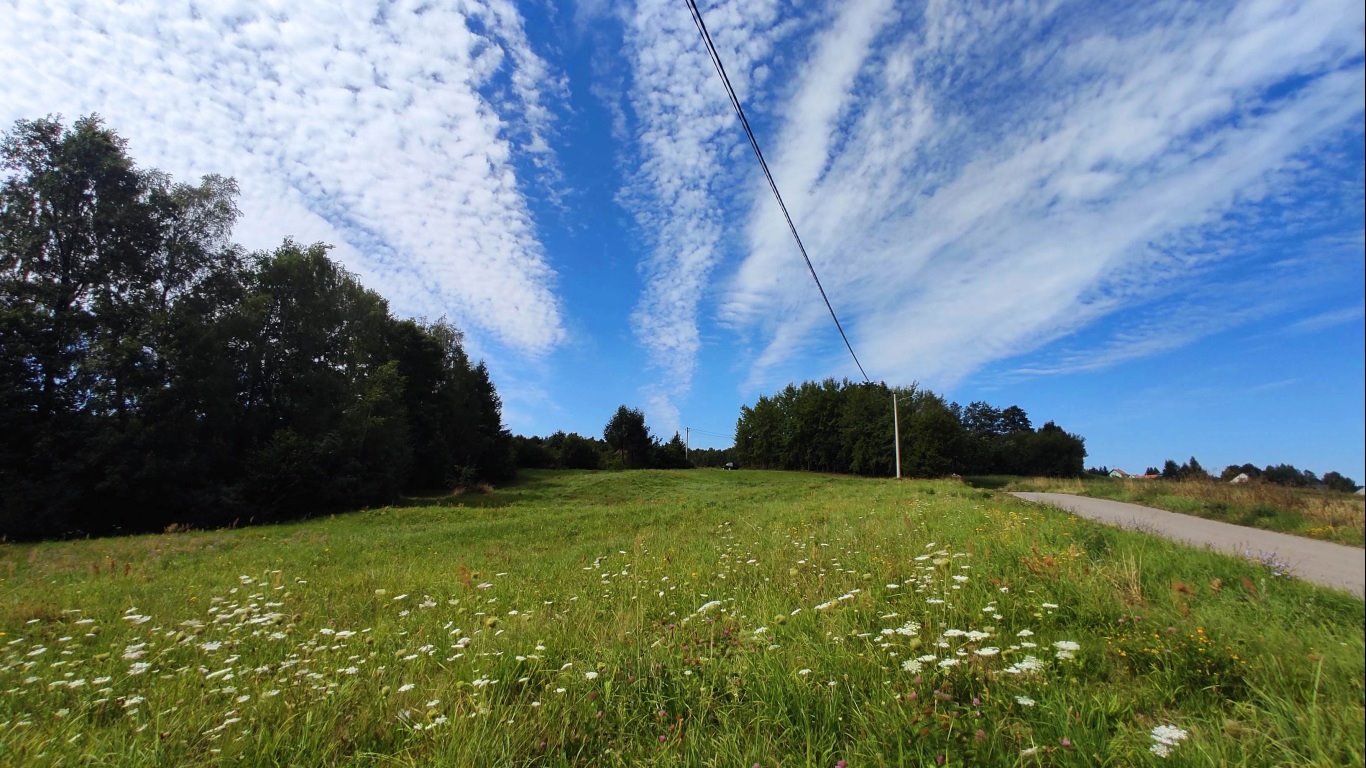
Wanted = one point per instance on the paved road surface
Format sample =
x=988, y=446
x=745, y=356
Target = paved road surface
x=1322, y=562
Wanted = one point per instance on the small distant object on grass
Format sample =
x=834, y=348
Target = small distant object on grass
x=480, y=488
x=730, y=465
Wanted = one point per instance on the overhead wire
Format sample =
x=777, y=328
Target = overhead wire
x=772, y=185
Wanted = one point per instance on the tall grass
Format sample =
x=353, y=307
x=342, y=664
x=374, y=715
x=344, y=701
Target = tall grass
x=656, y=618
x=1326, y=515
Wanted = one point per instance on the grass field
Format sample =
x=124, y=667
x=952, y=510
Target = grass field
x=1317, y=514
x=684, y=618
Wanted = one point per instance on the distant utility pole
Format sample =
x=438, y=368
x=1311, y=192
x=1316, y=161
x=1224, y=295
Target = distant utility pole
x=896, y=432
x=687, y=441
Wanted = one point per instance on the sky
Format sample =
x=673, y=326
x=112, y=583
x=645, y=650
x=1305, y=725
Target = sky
x=1142, y=221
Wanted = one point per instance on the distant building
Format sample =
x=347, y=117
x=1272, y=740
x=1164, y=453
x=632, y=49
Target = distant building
x=1241, y=478
x=1118, y=474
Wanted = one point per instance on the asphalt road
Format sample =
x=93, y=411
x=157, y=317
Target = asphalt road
x=1322, y=562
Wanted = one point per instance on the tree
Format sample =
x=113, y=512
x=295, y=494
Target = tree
x=1336, y=481
x=672, y=455
x=628, y=437
x=97, y=261
x=1192, y=470
x=1014, y=420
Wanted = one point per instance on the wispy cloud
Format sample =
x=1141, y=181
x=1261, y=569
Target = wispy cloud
x=1325, y=320
x=410, y=134
x=684, y=142
x=994, y=178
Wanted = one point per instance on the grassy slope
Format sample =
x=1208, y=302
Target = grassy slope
x=1325, y=515
x=571, y=574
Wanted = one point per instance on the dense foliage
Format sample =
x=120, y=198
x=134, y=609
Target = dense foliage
x=626, y=444
x=846, y=427
x=151, y=372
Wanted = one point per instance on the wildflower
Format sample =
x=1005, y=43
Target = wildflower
x=946, y=663
x=1025, y=666
x=988, y=651
x=1025, y=701
x=139, y=667
x=803, y=672
x=590, y=675
x=1165, y=739
x=910, y=665
x=212, y=645
x=406, y=687
x=1066, y=649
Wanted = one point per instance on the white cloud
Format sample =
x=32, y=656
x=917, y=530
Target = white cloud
x=1325, y=320
x=394, y=131
x=684, y=132
x=996, y=178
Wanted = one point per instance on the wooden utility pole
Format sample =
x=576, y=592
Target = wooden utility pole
x=896, y=432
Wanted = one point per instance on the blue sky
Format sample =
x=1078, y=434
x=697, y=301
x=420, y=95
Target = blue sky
x=1142, y=221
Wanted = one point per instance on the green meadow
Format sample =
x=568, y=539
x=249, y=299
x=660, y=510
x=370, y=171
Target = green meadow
x=673, y=618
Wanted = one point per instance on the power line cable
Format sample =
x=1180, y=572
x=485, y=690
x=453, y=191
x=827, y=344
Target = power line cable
x=709, y=434
x=773, y=186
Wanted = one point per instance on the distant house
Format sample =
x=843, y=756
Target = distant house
x=1118, y=474
x=1241, y=478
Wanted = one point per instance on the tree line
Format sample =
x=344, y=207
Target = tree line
x=152, y=372
x=1276, y=474
x=846, y=427
x=626, y=443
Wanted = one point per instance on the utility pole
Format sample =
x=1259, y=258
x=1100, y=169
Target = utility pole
x=896, y=431
x=687, y=441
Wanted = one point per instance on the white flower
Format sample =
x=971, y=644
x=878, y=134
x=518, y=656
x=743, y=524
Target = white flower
x=910, y=665
x=1024, y=633
x=211, y=645
x=946, y=663
x=1025, y=701
x=1165, y=738
x=1066, y=649
x=1025, y=666
x=406, y=687
x=803, y=672
x=1051, y=606
x=139, y=667
x=988, y=651
x=590, y=675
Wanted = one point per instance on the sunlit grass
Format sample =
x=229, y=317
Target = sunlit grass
x=689, y=618
x=1319, y=514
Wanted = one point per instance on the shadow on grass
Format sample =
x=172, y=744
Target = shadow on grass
x=989, y=482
